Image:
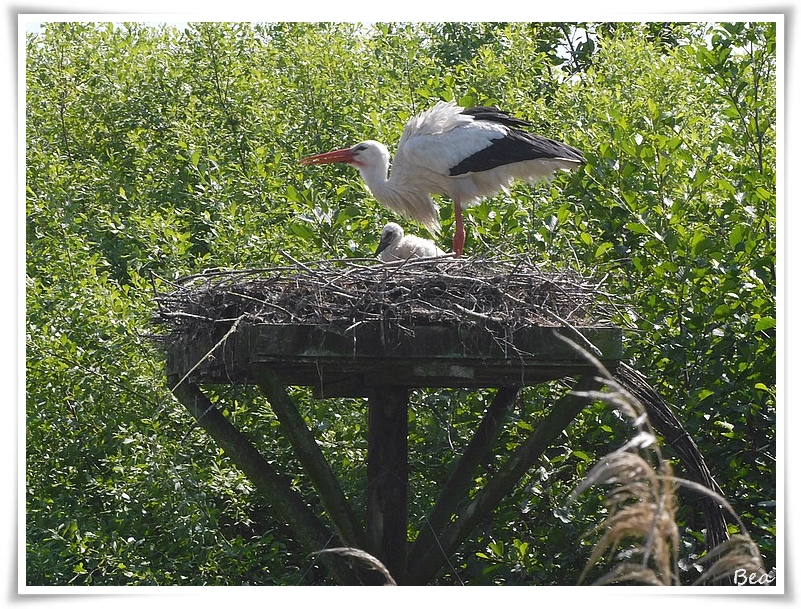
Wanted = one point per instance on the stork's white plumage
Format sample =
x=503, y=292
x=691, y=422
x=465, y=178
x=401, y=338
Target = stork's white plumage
x=395, y=245
x=466, y=154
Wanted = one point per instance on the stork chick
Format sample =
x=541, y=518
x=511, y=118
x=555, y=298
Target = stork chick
x=394, y=245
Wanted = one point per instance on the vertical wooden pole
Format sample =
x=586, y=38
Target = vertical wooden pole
x=388, y=477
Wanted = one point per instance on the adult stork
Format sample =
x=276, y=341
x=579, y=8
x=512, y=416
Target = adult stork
x=464, y=153
x=394, y=245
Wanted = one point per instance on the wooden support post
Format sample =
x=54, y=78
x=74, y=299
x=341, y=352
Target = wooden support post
x=487, y=499
x=388, y=477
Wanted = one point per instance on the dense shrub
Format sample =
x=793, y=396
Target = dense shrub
x=153, y=152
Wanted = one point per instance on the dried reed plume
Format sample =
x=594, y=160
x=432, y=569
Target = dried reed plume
x=640, y=536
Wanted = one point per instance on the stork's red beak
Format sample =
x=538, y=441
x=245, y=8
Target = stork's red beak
x=345, y=155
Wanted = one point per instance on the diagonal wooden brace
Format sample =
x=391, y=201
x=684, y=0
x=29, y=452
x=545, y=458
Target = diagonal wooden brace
x=293, y=426
x=277, y=490
x=461, y=479
x=429, y=560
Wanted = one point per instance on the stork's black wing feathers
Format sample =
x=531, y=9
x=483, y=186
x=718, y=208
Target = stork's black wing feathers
x=516, y=146
x=492, y=114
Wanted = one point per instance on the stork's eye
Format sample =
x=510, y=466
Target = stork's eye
x=360, y=148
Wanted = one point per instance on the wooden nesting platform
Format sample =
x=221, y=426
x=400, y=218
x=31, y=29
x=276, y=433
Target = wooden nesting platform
x=361, y=328
x=371, y=355
x=344, y=326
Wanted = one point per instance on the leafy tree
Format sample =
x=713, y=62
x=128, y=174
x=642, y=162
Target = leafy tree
x=153, y=153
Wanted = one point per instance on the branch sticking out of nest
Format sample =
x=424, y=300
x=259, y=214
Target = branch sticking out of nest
x=511, y=292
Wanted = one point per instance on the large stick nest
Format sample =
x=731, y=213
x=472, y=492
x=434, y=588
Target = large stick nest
x=507, y=292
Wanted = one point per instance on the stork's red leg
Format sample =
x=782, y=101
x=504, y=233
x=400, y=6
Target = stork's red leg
x=458, y=233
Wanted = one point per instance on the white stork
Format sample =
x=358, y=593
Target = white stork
x=395, y=245
x=466, y=154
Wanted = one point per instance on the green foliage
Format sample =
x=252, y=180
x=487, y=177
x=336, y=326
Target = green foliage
x=153, y=153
